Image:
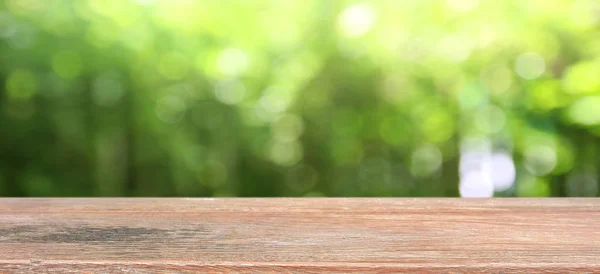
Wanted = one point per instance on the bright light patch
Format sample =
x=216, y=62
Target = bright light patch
x=476, y=184
x=529, y=186
x=472, y=161
x=477, y=144
x=356, y=20
x=540, y=159
x=481, y=169
x=232, y=62
x=585, y=111
x=584, y=13
x=530, y=65
x=286, y=154
x=502, y=171
x=487, y=36
x=230, y=91
x=261, y=115
x=276, y=99
x=582, y=78
x=455, y=48
x=461, y=6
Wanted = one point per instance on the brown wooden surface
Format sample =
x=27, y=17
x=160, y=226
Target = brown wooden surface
x=300, y=235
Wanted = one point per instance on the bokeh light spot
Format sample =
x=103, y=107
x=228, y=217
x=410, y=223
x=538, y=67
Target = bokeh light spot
x=475, y=184
x=288, y=128
x=21, y=84
x=490, y=119
x=20, y=36
x=498, y=79
x=502, y=171
x=540, y=159
x=545, y=96
x=462, y=6
x=276, y=99
x=582, y=78
x=232, y=62
x=455, y=48
x=477, y=144
x=565, y=157
x=530, y=186
x=584, y=13
x=426, y=160
x=286, y=154
x=356, y=20
x=438, y=125
x=471, y=96
x=480, y=168
x=230, y=91
x=585, y=111
x=530, y=65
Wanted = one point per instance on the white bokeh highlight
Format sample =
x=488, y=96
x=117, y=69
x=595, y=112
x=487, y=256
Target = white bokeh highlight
x=476, y=184
x=530, y=65
x=356, y=20
x=502, y=171
x=540, y=159
x=230, y=91
x=232, y=62
x=482, y=172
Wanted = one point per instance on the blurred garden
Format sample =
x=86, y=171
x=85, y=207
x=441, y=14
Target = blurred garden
x=471, y=98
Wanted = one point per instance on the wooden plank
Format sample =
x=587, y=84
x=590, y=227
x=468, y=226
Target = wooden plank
x=300, y=235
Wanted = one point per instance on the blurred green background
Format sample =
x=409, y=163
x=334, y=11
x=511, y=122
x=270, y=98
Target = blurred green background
x=299, y=98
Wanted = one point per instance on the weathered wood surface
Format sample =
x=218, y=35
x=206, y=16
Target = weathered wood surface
x=300, y=235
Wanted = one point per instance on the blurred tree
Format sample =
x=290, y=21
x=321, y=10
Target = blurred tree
x=299, y=98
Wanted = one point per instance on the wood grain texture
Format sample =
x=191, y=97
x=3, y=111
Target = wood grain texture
x=282, y=235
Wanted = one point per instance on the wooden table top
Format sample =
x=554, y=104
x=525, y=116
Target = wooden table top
x=318, y=235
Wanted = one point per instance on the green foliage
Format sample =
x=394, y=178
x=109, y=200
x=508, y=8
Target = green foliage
x=298, y=98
